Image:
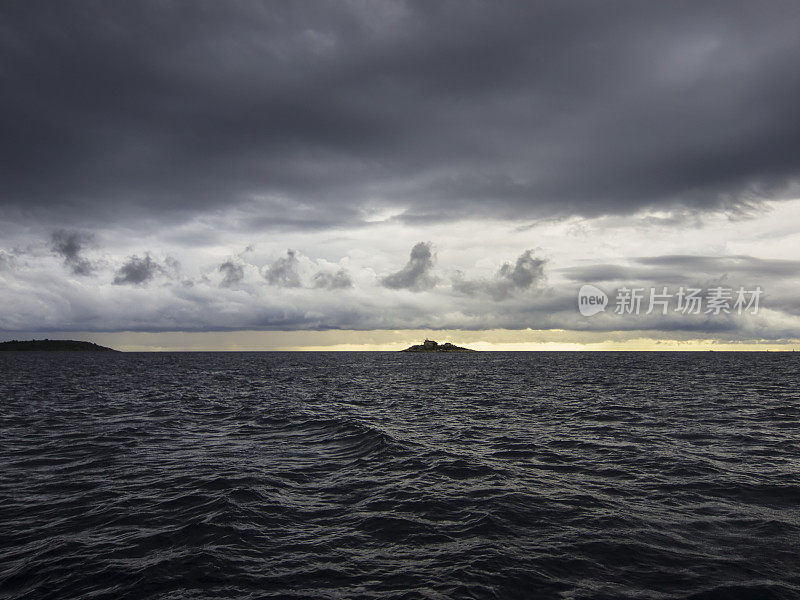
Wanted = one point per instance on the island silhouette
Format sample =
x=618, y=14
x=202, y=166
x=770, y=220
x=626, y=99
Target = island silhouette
x=52, y=346
x=433, y=346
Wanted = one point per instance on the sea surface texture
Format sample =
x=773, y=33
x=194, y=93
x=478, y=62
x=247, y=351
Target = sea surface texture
x=389, y=475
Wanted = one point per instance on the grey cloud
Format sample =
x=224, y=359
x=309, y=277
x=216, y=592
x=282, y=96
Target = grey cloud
x=447, y=110
x=416, y=274
x=741, y=264
x=604, y=273
x=306, y=309
x=70, y=244
x=171, y=267
x=137, y=271
x=41, y=294
x=7, y=261
x=283, y=272
x=333, y=281
x=526, y=271
x=686, y=269
x=233, y=273
x=598, y=273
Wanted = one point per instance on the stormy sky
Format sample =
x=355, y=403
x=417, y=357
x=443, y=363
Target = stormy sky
x=247, y=166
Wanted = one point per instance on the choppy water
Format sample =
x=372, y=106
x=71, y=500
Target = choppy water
x=388, y=475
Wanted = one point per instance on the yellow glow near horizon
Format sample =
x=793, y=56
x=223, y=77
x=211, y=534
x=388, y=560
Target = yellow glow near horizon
x=392, y=340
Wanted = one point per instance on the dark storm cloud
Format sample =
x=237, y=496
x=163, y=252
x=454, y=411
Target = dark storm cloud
x=333, y=281
x=69, y=245
x=137, y=270
x=305, y=111
x=527, y=271
x=283, y=272
x=416, y=274
x=233, y=273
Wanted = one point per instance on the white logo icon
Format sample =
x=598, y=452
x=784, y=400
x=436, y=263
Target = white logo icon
x=591, y=300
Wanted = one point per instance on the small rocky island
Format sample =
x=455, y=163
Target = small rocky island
x=52, y=346
x=432, y=346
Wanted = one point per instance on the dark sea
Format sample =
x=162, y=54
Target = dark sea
x=393, y=475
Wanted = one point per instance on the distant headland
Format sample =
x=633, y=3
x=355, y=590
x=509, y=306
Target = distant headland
x=432, y=346
x=52, y=346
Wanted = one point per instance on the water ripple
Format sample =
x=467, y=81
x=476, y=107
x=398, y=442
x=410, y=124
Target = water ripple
x=384, y=475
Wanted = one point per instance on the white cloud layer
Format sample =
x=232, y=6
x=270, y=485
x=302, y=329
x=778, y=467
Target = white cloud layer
x=516, y=277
